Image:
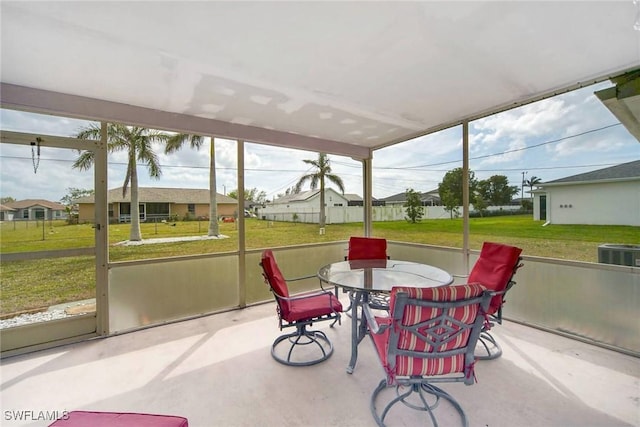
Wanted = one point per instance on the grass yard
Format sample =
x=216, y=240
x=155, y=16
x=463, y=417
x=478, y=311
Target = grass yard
x=26, y=285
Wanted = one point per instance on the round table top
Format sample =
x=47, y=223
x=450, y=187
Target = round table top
x=381, y=275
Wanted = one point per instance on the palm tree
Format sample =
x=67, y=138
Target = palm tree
x=322, y=172
x=533, y=181
x=195, y=141
x=137, y=142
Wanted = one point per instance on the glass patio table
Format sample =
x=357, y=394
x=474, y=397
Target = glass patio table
x=365, y=278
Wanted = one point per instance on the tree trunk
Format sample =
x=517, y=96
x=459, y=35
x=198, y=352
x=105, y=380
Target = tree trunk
x=135, y=234
x=322, y=211
x=214, y=229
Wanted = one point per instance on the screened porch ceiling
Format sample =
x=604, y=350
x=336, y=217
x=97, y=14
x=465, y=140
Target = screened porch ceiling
x=337, y=77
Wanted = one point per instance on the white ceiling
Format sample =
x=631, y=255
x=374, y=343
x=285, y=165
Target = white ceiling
x=340, y=77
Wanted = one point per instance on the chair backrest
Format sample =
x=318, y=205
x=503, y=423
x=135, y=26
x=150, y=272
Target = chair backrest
x=367, y=248
x=434, y=330
x=495, y=269
x=276, y=280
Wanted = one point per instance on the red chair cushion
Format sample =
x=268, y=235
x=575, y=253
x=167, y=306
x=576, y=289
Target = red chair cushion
x=118, y=419
x=276, y=280
x=367, y=248
x=494, y=269
x=406, y=365
x=312, y=307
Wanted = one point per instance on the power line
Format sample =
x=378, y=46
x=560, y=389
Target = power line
x=418, y=167
x=504, y=152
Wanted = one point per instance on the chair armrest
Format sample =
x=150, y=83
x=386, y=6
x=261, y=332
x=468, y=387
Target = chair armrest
x=323, y=290
x=299, y=278
x=295, y=279
x=306, y=295
x=374, y=326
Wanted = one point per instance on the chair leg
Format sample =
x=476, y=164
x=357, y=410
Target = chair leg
x=302, y=340
x=422, y=391
x=487, y=347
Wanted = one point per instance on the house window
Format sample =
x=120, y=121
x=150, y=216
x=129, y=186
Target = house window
x=156, y=211
x=125, y=211
x=25, y=214
x=191, y=208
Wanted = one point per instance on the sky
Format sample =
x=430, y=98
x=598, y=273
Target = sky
x=554, y=138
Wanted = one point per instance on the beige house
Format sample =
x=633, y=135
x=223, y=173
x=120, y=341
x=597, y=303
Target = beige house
x=159, y=204
x=33, y=209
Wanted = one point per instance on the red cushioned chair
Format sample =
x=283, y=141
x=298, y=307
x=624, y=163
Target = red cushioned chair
x=303, y=347
x=368, y=248
x=429, y=337
x=495, y=268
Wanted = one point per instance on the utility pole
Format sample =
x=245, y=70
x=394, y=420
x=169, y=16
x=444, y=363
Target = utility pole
x=522, y=189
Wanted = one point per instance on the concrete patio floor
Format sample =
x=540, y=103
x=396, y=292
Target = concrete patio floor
x=218, y=371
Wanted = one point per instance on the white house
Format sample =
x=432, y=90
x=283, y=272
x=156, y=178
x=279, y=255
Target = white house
x=304, y=206
x=609, y=196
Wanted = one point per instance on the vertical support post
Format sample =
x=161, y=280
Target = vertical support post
x=465, y=194
x=101, y=232
x=242, y=291
x=367, y=184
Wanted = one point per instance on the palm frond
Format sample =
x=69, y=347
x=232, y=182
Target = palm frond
x=335, y=179
x=84, y=161
x=175, y=142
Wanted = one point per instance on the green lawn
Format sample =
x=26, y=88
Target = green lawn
x=31, y=284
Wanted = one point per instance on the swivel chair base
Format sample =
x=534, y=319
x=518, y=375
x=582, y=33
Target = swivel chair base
x=302, y=347
x=487, y=347
x=422, y=395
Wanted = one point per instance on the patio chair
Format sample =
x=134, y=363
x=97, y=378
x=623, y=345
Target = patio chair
x=302, y=347
x=495, y=268
x=367, y=248
x=428, y=338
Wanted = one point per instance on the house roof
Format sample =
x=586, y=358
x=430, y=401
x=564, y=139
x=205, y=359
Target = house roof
x=163, y=195
x=623, y=171
x=305, y=195
x=29, y=203
x=425, y=196
x=351, y=197
x=354, y=78
x=4, y=208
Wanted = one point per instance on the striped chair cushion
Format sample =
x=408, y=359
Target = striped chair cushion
x=442, y=334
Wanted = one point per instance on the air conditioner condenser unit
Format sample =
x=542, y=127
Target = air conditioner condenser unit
x=619, y=254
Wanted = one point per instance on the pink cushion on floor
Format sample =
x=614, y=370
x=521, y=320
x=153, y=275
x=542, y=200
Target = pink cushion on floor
x=119, y=419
